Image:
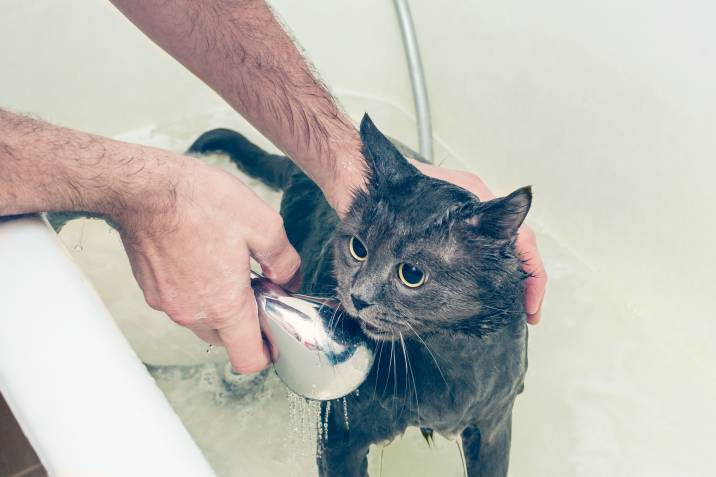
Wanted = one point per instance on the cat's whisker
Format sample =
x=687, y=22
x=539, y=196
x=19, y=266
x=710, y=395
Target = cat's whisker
x=335, y=309
x=407, y=382
x=395, y=373
x=502, y=310
x=442, y=375
x=461, y=451
x=341, y=319
x=410, y=369
x=332, y=297
x=327, y=295
x=335, y=317
x=330, y=320
x=390, y=365
x=377, y=373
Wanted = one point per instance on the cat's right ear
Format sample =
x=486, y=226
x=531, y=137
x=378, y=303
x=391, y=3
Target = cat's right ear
x=501, y=218
x=387, y=164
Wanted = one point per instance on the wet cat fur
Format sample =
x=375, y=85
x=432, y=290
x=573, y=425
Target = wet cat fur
x=451, y=354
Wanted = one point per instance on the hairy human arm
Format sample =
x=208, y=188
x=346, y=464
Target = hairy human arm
x=239, y=49
x=48, y=168
x=188, y=228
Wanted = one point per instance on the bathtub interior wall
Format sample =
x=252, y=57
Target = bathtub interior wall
x=606, y=107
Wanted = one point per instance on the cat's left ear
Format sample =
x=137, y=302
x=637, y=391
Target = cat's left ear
x=387, y=164
x=501, y=218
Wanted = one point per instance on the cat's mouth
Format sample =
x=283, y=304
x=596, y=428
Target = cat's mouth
x=376, y=333
x=380, y=331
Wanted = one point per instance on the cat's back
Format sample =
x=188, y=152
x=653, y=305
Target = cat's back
x=310, y=223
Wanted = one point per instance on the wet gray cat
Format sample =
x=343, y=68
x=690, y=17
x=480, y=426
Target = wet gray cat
x=431, y=274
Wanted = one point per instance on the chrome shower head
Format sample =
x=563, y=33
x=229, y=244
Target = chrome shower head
x=320, y=355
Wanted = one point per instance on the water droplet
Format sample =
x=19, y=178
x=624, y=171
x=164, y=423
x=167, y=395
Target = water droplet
x=78, y=246
x=345, y=413
x=319, y=431
x=308, y=430
x=325, y=421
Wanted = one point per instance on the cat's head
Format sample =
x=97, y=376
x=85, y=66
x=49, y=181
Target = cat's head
x=419, y=255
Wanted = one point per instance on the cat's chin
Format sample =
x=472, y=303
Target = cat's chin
x=375, y=333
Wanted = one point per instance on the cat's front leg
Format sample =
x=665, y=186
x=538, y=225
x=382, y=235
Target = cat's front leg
x=343, y=460
x=344, y=452
x=487, y=448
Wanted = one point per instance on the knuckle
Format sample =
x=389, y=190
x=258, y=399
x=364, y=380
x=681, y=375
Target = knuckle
x=232, y=313
x=275, y=242
x=153, y=302
x=220, y=321
x=472, y=179
x=168, y=303
x=473, y=182
x=275, y=228
x=294, y=264
x=538, y=279
x=181, y=319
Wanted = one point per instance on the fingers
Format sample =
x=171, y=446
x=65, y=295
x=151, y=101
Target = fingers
x=235, y=326
x=240, y=334
x=463, y=179
x=537, y=282
x=536, y=317
x=270, y=247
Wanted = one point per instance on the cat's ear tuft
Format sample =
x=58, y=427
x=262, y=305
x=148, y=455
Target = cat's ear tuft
x=386, y=163
x=501, y=218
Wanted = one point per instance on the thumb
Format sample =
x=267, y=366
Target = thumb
x=271, y=249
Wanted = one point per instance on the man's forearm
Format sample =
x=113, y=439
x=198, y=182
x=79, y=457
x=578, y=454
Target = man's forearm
x=48, y=168
x=239, y=49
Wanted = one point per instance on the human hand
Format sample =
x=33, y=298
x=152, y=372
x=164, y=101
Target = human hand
x=189, y=248
x=526, y=243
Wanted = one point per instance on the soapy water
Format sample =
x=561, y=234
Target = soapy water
x=600, y=395
x=267, y=428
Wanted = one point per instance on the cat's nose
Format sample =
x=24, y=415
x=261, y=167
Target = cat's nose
x=359, y=303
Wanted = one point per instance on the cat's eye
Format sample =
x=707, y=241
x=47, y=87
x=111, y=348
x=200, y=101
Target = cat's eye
x=410, y=275
x=357, y=249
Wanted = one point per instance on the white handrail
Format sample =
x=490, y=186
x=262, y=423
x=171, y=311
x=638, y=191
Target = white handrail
x=77, y=388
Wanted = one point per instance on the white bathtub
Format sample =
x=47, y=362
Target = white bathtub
x=607, y=108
